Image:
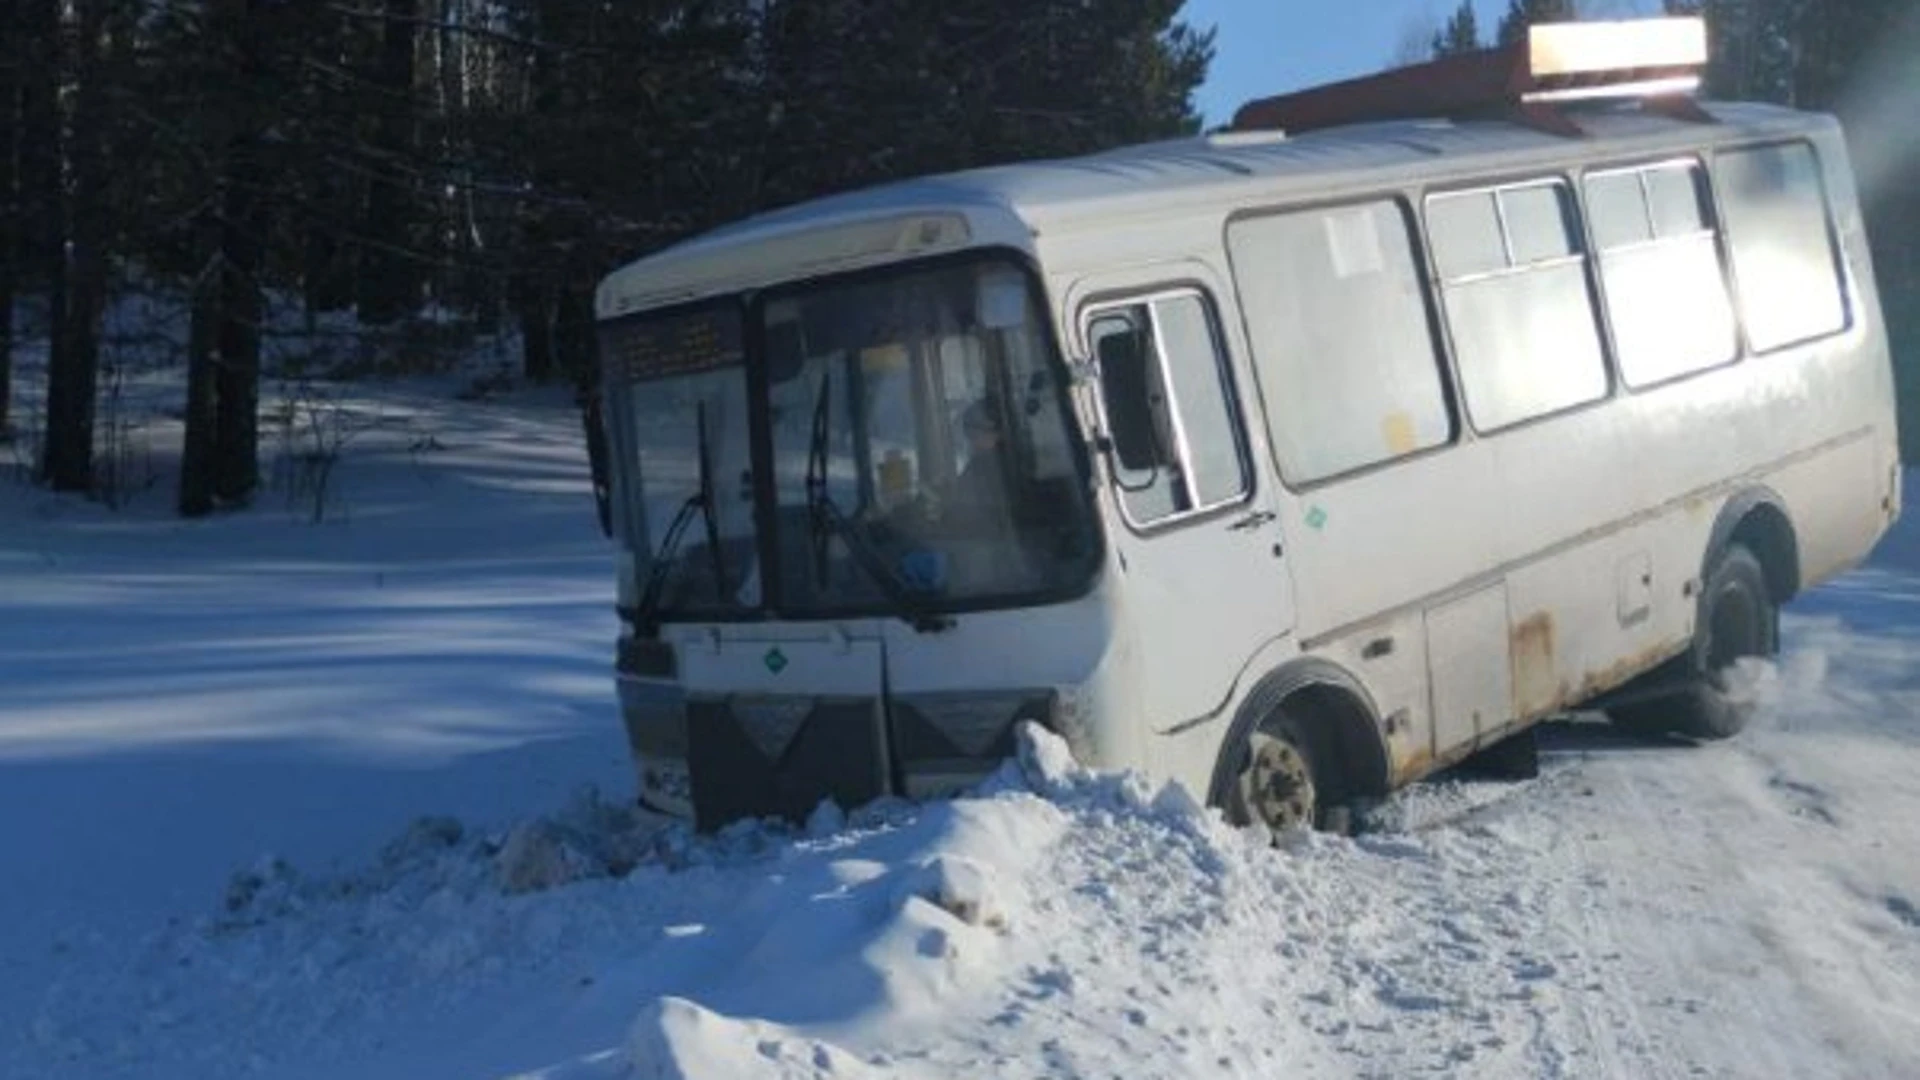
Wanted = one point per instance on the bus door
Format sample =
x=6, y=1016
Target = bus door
x=1197, y=541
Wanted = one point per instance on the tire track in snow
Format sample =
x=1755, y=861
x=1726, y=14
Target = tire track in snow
x=1720, y=945
x=1595, y=1025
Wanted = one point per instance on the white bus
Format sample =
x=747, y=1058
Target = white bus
x=1290, y=464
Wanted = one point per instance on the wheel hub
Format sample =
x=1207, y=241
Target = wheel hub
x=1277, y=786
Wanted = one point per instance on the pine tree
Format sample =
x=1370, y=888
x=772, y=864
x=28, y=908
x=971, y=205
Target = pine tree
x=1522, y=14
x=388, y=283
x=73, y=363
x=12, y=60
x=372, y=155
x=856, y=93
x=1460, y=33
x=240, y=92
x=1750, y=48
x=245, y=181
x=1844, y=56
x=39, y=191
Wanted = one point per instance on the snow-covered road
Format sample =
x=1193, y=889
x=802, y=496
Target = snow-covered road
x=177, y=702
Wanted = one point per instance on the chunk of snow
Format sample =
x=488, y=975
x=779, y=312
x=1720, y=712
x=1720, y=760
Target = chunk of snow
x=1046, y=761
x=427, y=836
x=826, y=819
x=540, y=855
x=960, y=886
x=1174, y=802
x=676, y=1039
x=270, y=886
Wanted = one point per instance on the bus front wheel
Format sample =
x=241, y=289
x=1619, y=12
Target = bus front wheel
x=1738, y=620
x=1278, y=784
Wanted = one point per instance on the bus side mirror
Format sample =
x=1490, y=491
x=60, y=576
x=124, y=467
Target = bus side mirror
x=1127, y=392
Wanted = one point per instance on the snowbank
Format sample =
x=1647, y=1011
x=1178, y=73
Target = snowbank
x=1638, y=910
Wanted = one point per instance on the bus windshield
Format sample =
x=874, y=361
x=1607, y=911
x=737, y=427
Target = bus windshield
x=922, y=409
x=679, y=411
x=920, y=442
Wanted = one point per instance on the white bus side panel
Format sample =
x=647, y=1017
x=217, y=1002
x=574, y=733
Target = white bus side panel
x=1593, y=525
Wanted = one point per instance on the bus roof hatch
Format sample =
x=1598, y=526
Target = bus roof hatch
x=1654, y=61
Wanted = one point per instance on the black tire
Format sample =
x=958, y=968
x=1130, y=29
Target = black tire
x=1738, y=619
x=1279, y=767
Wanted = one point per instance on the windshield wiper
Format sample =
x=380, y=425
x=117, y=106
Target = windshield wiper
x=709, y=505
x=826, y=519
x=701, y=502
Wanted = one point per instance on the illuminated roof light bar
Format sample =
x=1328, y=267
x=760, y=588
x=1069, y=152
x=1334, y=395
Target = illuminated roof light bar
x=1598, y=48
x=1657, y=62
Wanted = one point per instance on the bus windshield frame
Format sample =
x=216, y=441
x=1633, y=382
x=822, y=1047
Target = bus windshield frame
x=892, y=442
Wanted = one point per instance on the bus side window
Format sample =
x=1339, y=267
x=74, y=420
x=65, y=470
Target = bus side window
x=1786, y=268
x=1513, y=274
x=1666, y=294
x=1342, y=337
x=1212, y=441
x=1177, y=446
x=1131, y=389
x=1133, y=392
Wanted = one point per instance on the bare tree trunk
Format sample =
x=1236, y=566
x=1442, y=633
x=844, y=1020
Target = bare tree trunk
x=43, y=242
x=573, y=332
x=237, y=378
x=197, y=450
x=535, y=285
x=534, y=308
x=243, y=224
x=13, y=41
x=388, y=284
x=73, y=366
x=320, y=271
x=220, y=458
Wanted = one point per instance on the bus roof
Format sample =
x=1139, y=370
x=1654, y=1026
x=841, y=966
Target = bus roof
x=1035, y=197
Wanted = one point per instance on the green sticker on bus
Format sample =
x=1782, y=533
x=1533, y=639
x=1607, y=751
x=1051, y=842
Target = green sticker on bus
x=776, y=660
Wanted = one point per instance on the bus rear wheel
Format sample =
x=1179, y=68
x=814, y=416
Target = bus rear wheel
x=1278, y=784
x=1738, y=620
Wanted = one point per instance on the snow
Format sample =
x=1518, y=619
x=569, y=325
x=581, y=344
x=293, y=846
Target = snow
x=351, y=799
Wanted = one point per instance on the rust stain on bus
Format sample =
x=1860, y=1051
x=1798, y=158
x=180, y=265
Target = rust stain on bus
x=1618, y=674
x=1536, y=689
x=1567, y=696
x=1414, y=764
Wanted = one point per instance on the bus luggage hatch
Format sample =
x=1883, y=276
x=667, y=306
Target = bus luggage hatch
x=797, y=722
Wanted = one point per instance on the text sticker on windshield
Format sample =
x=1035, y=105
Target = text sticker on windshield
x=1003, y=301
x=686, y=345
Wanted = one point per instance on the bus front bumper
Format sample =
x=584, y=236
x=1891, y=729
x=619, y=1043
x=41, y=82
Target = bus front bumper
x=720, y=759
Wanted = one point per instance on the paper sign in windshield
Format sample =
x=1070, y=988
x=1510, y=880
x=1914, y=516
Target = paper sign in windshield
x=677, y=345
